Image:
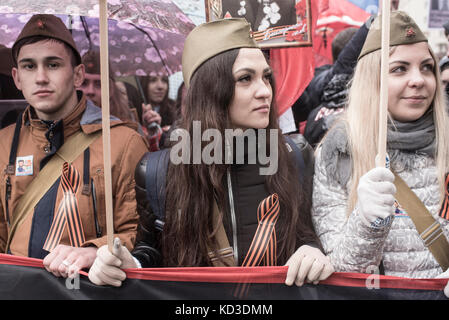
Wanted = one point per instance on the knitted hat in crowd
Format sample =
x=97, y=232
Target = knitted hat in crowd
x=49, y=26
x=210, y=39
x=91, y=60
x=403, y=30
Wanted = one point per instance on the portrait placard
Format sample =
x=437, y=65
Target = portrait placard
x=438, y=13
x=274, y=23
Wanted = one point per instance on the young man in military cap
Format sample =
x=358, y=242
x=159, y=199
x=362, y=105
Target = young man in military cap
x=36, y=218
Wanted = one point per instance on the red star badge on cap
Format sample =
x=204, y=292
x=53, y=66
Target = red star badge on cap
x=410, y=32
x=40, y=24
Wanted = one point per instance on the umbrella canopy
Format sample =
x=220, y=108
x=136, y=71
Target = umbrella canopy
x=146, y=37
x=133, y=50
x=160, y=14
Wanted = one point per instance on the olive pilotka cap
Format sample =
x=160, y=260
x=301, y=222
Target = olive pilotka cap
x=91, y=61
x=211, y=38
x=49, y=26
x=403, y=30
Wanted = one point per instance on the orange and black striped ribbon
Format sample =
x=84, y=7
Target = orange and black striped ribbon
x=444, y=211
x=264, y=241
x=67, y=214
x=260, y=35
x=263, y=246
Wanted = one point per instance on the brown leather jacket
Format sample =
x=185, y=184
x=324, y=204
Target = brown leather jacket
x=127, y=147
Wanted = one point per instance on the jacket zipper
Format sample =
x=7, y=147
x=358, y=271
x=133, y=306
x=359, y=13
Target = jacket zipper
x=233, y=219
x=7, y=198
x=94, y=204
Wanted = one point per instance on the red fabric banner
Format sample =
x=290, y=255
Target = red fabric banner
x=293, y=69
x=334, y=17
x=250, y=275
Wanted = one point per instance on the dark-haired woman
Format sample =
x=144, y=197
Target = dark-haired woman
x=160, y=109
x=230, y=86
x=156, y=93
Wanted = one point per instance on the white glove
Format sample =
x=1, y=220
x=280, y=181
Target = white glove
x=308, y=263
x=376, y=195
x=445, y=275
x=107, y=266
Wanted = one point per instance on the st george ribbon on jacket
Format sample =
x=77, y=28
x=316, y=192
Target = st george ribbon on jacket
x=67, y=214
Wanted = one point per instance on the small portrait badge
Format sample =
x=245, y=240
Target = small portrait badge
x=24, y=166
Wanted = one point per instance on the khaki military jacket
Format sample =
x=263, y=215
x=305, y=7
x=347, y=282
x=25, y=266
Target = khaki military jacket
x=127, y=147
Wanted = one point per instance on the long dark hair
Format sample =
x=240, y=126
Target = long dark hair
x=167, y=108
x=192, y=188
x=179, y=100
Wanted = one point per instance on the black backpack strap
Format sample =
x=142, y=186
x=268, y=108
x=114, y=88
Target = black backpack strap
x=155, y=179
x=10, y=168
x=298, y=156
x=14, y=146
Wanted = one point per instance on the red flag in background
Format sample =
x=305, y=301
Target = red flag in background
x=334, y=17
x=293, y=68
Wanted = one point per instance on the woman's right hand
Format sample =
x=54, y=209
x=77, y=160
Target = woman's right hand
x=149, y=115
x=107, y=267
x=308, y=264
x=376, y=192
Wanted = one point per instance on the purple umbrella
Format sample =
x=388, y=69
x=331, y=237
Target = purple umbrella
x=137, y=46
x=160, y=14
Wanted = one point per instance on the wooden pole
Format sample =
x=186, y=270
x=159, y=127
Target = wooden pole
x=104, y=69
x=383, y=108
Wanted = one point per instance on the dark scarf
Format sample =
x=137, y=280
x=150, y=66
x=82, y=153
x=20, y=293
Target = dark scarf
x=411, y=137
x=403, y=139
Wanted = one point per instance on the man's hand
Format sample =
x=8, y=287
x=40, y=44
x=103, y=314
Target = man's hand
x=66, y=261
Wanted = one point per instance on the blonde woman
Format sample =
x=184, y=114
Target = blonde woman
x=354, y=210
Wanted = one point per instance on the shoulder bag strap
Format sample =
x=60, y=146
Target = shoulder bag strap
x=428, y=228
x=71, y=149
x=225, y=251
x=298, y=156
x=155, y=183
x=155, y=180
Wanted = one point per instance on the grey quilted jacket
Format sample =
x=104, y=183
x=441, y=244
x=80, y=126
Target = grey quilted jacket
x=355, y=247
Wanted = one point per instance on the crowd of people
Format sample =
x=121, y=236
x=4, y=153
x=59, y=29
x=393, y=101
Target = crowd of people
x=326, y=207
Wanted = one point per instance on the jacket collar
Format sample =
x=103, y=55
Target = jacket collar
x=85, y=115
x=71, y=123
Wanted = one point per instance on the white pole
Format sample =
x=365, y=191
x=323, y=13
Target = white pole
x=104, y=69
x=383, y=108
